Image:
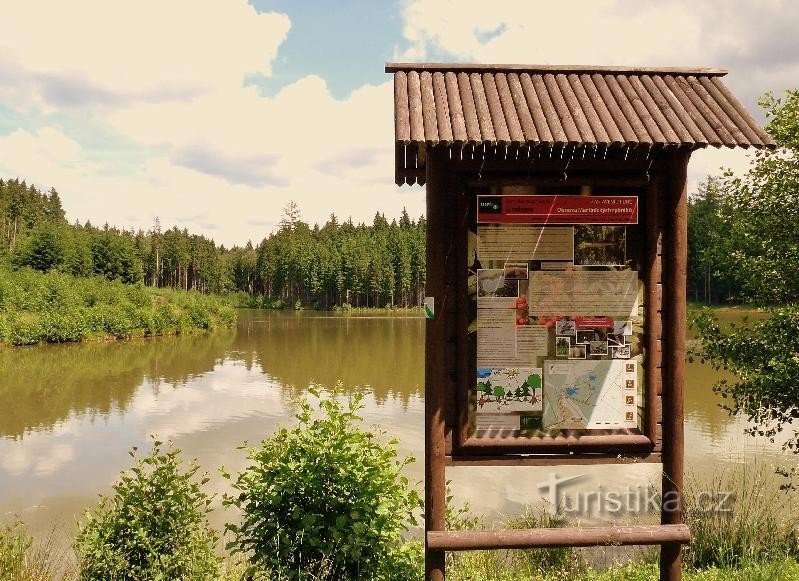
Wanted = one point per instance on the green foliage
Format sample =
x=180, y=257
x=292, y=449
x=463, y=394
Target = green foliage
x=14, y=543
x=54, y=307
x=758, y=250
x=325, y=500
x=560, y=563
x=153, y=527
x=762, y=354
x=751, y=526
x=757, y=245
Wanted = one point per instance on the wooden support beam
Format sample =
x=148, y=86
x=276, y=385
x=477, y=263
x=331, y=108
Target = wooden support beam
x=675, y=268
x=557, y=537
x=439, y=248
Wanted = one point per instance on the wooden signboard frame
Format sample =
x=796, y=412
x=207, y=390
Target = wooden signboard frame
x=453, y=179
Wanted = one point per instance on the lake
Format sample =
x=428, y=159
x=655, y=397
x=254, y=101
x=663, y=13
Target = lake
x=70, y=413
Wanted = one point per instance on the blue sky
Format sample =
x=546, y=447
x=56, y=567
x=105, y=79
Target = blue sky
x=213, y=115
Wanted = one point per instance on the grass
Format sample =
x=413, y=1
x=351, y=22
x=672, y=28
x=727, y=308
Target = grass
x=53, y=307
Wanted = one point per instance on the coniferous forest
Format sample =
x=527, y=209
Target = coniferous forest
x=339, y=263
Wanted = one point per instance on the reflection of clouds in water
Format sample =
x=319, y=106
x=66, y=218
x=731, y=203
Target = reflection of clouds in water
x=39, y=457
x=229, y=393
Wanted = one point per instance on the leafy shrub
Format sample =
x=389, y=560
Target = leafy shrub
x=325, y=500
x=153, y=527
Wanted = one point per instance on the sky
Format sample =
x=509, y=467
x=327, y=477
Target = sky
x=213, y=115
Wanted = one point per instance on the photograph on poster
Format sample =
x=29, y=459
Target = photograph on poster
x=622, y=327
x=596, y=348
x=565, y=327
x=622, y=352
x=577, y=352
x=515, y=271
x=491, y=283
x=588, y=335
x=615, y=340
x=584, y=293
x=562, y=346
x=599, y=245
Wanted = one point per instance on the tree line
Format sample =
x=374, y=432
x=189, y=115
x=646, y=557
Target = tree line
x=339, y=263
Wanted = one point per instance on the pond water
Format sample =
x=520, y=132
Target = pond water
x=70, y=413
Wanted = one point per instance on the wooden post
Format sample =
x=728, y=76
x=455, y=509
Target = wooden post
x=439, y=228
x=675, y=259
x=651, y=275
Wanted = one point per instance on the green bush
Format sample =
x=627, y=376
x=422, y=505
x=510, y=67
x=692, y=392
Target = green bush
x=153, y=527
x=55, y=307
x=325, y=500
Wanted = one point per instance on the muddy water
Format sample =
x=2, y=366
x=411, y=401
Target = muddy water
x=70, y=413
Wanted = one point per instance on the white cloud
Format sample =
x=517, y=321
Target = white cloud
x=101, y=52
x=755, y=40
x=218, y=157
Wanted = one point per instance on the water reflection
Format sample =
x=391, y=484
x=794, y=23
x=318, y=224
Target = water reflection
x=69, y=413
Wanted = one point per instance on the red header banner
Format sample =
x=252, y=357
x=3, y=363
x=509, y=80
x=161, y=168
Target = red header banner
x=557, y=209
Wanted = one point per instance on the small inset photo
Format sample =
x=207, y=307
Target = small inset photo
x=577, y=352
x=622, y=327
x=616, y=339
x=515, y=271
x=565, y=327
x=585, y=337
x=622, y=352
x=562, y=346
x=597, y=348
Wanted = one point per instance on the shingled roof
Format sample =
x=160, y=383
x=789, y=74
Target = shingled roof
x=528, y=106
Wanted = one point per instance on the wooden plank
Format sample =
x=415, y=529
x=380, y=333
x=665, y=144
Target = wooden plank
x=575, y=110
x=507, y=101
x=469, y=109
x=523, y=113
x=641, y=110
x=562, y=110
x=593, y=442
x=679, y=109
x=658, y=116
x=558, y=537
x=651, y=277
x=740, y=124
x=687, y=87
x=542, y=126
x=554, y=459
x=428, y=107
x=392, y=67
x=495, y=109
x=665, y=107
x=402, y=124
x=627, y=109
x=415, y=107
x=481, y=106
x=593, y=109
x=456, y=114
x=718, y=112
x=442, y=109
x=765, y=138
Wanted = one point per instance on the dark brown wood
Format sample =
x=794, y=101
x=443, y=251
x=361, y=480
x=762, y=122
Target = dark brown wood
x=439, y=245
x=652, y=326
x=675, y=260
x=495, y=109
x=554, y=459
x=562, y=537
x=560, y=444
x=473, y=67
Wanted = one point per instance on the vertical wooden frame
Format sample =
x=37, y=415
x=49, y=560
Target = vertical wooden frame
x=675, y=267
x=438, y=339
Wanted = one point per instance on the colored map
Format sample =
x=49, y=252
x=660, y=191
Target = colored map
x=590, y=394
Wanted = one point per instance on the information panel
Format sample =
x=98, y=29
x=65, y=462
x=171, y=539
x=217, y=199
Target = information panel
x=558, y=320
